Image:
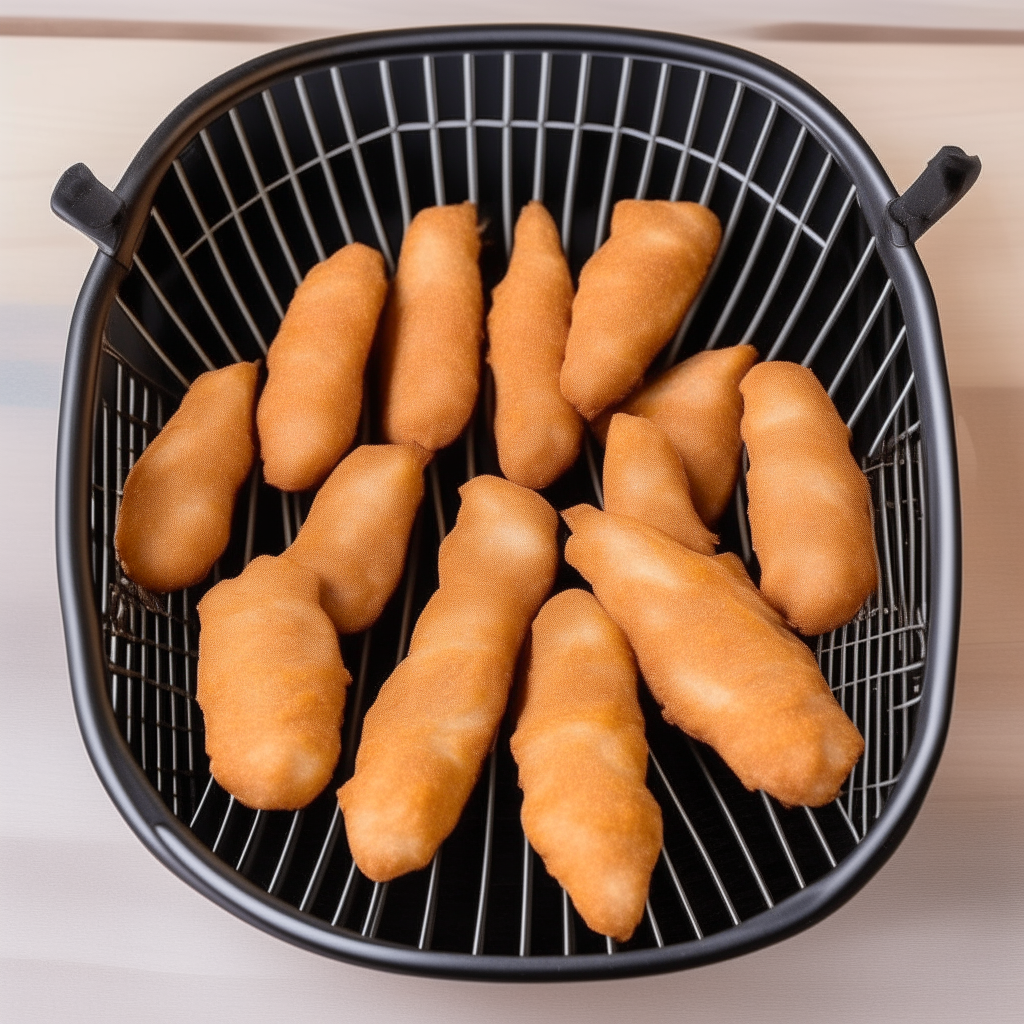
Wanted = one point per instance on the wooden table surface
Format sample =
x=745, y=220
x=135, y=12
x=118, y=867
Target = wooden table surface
x=95, y=929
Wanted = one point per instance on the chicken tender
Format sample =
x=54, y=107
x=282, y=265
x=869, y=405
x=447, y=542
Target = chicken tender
x=432, y=330
x=426, y=736
x=271, y=685
x=357, y=531
x=643, y=477
x=698, y=405
x=537, y=432
x=579, y=743
x=309, y=410
x=175, y=516
x=811, y=523
x=718, y=659
x=633, y=294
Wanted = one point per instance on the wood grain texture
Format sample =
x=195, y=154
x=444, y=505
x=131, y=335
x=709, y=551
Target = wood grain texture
x=80, y=895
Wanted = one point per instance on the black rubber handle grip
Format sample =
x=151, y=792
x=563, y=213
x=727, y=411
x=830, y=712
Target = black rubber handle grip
x=82, y=200
x=943, y=183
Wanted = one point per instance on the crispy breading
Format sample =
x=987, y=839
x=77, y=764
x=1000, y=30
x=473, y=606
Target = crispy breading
x=719, y=660
x=175, y=516
x=271, y=684
x=643, y=477
x=809, y=503
x=357, y=531
x=582, y=756
x=633, y=293
x=698, y=405
x=432, y=329
x=426, y=735
x=537, y=432
x=309, y=410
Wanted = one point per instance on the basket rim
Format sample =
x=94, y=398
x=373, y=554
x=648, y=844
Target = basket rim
x=170, y=841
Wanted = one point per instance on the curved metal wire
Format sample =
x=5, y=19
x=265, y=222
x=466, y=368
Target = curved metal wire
x=842, y=314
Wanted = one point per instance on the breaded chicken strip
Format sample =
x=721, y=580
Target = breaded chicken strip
x=309, y=410
x=430, y=728
x=271, y=685
x=633, y=294
x=643, y=477
x=175, y=516
x=582, y=756
x=718, y=659
x=432, y=329
x=809, y=504
x=698, y=405
x=536, y=430
x=357, y=531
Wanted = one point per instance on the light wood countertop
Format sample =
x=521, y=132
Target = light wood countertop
x=96, y=929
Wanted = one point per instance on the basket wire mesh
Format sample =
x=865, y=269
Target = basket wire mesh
x=351, y=152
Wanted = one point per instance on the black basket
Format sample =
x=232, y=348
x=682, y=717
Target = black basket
x=273, y=166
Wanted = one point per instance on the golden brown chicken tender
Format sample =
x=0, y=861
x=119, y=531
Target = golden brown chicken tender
x=811, y=523
x=432, y=329
x=579, y=743
x=644, y=478
x=698, y=405
x=309, y=410
x=271, y=685
x=357, y=531
x=175, y=516
x=718, y=659
x=537, y=432
x=427, y=734
x=633, y=294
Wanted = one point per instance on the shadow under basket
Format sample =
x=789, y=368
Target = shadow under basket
x=272, y=167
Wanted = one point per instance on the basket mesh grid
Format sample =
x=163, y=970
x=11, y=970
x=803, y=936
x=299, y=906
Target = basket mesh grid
x=351, y=153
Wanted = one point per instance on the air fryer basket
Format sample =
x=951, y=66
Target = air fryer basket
x=271, y=168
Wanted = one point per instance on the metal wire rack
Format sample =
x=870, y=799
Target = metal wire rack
x=271, y=168
x=350, y=152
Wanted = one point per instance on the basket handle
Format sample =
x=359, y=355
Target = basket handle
x=84, y=202
x=941, y=185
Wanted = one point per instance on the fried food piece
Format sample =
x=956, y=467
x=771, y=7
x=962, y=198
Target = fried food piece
x=357, y=531
x=309, y=410
x=698, y=405
x=175, y=516
x=644, y=478
x=718, y=659
x=633, y=294
x=427, y=734
x=537, y=432
x=811, y=523
x=432, y=329
x=579, y=743
x=271, y=685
